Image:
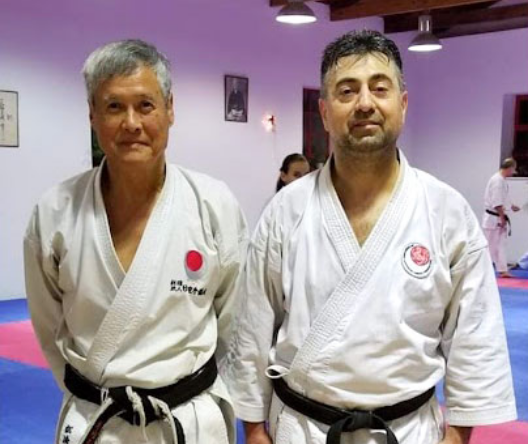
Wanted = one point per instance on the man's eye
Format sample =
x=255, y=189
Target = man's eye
x=113, y=106
x=381, y=90
x=147, y=106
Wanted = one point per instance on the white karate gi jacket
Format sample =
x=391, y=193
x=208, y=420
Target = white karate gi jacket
x=371, y=326
x=151, y=326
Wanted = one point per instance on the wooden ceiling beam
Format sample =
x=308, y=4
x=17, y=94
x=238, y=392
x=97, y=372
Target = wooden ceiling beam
x=483, y=28
x=448, y=19
x=368, y=8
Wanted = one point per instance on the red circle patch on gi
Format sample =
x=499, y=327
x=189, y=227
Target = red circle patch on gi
x=417, y=260
x=420, y=255
x=194, y=261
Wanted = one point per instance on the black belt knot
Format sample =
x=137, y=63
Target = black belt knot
x=359, y=420
x=356, y=420
x=124, y=404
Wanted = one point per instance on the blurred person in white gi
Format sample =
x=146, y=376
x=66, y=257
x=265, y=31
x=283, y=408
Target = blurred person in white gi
x=367, y=283
x=131, y=272
x=496, y=222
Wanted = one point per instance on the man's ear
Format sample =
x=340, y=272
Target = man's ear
x=91, y=112
x=404, y=104
x=170, y=109
x=323, y=110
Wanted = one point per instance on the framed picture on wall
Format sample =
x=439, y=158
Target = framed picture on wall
x=236, y=98
x=9, y=119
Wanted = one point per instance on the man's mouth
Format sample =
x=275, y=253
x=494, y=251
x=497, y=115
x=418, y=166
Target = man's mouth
x=364, y=124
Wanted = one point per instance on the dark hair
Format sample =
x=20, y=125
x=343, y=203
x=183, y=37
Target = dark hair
x=288, y=160
x=508, y=163
x=359, y=43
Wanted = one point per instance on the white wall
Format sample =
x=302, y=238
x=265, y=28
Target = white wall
x=42, y=51
x=456, y=105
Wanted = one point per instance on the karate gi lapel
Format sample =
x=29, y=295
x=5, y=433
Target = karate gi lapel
x=336, y=221
x=359, y=264
x=136, y=287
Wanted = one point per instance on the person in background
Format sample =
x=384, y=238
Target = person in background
x=495, y=221
x=294, y=166
x=132, y=271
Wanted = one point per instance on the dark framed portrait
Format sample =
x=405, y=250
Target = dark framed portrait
x=236, y=98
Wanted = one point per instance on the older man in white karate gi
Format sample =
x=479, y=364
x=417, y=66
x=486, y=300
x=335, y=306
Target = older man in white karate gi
x=366, y=284
x=131, y=272
x=495, y=221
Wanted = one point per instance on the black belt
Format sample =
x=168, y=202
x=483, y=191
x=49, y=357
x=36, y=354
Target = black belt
x=506, y=218
x=173, y=395
x=341, y=420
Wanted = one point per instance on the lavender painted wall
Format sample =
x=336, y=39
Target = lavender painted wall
x=44, y=45
x=456, y=110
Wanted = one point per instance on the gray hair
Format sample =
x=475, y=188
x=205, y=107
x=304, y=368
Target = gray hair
x=123, y=58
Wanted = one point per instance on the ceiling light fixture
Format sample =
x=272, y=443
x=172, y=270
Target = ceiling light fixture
x=425, y=40
x=295, y=12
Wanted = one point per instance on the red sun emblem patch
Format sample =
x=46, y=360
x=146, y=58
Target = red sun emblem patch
x=194, y=261
x=420, y=255
x=417, y=260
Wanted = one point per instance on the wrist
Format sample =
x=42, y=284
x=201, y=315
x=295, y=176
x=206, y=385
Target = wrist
x=254, y=428
x=457, y=435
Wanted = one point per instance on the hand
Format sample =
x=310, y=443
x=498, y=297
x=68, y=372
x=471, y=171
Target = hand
x=457, y=435
x=515, y=208
x=256, y=433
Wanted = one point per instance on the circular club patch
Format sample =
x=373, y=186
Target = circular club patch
x=194, y=264
x=417, y=260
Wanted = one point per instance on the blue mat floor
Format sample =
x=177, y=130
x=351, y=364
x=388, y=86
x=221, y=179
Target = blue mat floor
x=30, y=400
x=29, y=404
x=13, y=310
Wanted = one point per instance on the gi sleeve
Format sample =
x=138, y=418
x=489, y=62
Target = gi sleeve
x=232, y=238
x=44, y=296
x=259, y=318
x=478, y=382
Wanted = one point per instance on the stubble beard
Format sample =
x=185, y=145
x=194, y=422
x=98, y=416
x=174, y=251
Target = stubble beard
x=375, y=145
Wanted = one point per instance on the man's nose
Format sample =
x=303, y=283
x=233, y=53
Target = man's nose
x=132, y=122
x=364, y=101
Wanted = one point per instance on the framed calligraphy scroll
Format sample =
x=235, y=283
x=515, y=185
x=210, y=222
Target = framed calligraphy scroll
x=9, y=119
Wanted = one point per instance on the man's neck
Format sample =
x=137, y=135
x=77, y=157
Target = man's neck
x=130, y=186
x=360, y=180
